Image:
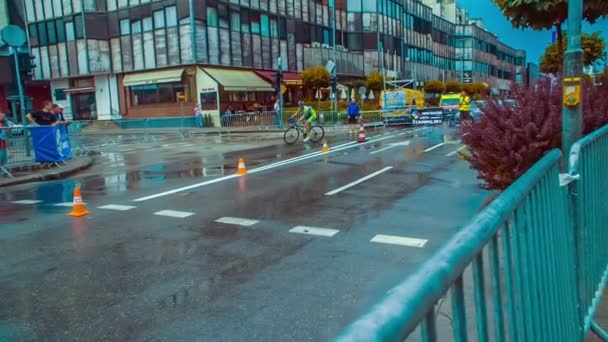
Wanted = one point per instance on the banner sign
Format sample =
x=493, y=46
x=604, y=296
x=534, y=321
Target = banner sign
x=427, y=116
x=51, y=144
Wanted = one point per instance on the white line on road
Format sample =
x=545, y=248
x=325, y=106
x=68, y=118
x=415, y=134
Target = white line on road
x=314, y=231
x=454, y=152
x=118, y=207
x=173, y=213
x=27, y=202
x=399, y=240
x=434, y=147
x=357, y=182
x=237, y=221
x=65, y=204
x=404, y=143
x=262, y=168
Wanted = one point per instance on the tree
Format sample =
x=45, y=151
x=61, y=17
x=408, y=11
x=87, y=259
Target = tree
x=553, y=58
x=315, y=77
x=452, y=87
x=434, y=87
x=374, y=81
x=545, y=14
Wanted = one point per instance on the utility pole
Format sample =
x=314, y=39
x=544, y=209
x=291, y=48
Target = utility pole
x=334, y=104
x=572, y=123
x=280, y=88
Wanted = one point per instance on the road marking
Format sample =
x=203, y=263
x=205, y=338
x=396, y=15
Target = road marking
x=434, y=147
x=237, y=220
x=173, y=213
x=27, y=202
x=263, y=168
x=454, y=152
x=357, y=182
x=404, y=143
x=118, y=207
x=314, y=231
x=399, y=240
x=65, y=204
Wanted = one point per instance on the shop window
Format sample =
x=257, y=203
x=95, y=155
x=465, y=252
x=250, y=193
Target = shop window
x=208, y=100
x=156, y=93
x=171, y=16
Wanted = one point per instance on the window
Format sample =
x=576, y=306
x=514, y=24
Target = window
x=159, y=19
x=147, y=24
x=245, y=21
x=208, y=100
x=50, y=26
x=69, y=31
x=33, y=34
x=265, y=26
x=235, y=22
x=274, y=28
x=353, y=5
x=171, y=16
x=78, y=26
x=42, y=34
x=125, y=27
x=223, y=16
x=155, y=93
x=255, y=23
x=370, y=6
x=60, y=26
x=212, y=20
x=136, y=27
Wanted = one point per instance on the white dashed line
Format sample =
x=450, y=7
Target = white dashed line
x=118, y=207
x=357, y=182
x=399, y=240
x=237, y=221
x=434, y=147
x=65, y=204
x=314, y=231
x=173, y=213
x=454, y=152
x=27, y=202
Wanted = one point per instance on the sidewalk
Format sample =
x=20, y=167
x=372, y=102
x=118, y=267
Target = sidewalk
x=39, y=174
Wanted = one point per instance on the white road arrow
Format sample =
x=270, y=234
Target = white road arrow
x=403, y=143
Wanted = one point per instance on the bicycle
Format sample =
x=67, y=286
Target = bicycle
x=292, y=133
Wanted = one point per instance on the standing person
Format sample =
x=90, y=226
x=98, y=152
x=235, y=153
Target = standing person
x=277, y=110
x=58, y=111
x=465, y=106
x=198, y=115
x=354, y=113
x=44, y=117
x=3, y=140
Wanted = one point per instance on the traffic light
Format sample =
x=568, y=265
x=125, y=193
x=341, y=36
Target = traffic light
x=26, y=65
x=334, y=84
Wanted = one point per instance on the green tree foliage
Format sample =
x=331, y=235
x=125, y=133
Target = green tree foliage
x=544, y=14
x=593, y=47
x=374, y=81
x=434, y=87
x=452, y=87
x=315, y=77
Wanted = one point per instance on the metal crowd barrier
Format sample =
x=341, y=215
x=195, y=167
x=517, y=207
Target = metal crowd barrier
x=18, y=150
x=535, y=261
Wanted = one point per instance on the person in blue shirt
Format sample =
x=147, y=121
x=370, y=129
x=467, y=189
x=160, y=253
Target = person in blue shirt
x=354, y=112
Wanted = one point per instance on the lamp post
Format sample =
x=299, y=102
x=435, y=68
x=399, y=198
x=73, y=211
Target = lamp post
x=572, y=112
x=334, y=103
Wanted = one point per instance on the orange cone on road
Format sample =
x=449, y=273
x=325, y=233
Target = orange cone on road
x=78, y=208
x=362, y=137
x=242, y=170
x=325, y=148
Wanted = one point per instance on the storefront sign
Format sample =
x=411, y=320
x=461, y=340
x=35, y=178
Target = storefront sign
x=427, y=116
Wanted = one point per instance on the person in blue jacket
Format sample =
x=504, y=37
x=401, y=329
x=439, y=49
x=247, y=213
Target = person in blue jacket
x=354, y=112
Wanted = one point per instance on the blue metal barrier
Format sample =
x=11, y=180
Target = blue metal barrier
x=521, y=253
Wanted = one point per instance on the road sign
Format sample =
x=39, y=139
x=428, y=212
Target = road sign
x=13, y=36
x=330, y=67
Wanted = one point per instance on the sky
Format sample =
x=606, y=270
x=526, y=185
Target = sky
x=534, y=42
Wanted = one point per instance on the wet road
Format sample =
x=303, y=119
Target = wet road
x=179, y=248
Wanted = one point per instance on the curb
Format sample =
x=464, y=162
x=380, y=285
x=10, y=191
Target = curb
x=45, y=176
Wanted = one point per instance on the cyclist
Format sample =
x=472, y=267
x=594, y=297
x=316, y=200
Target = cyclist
x=308, y=117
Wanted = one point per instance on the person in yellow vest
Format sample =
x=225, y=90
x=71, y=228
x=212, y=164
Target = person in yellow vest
x=465, y=106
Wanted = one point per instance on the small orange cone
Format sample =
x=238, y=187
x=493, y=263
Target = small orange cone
x=78, y=208
x=325, y=147
x=362, y=137
x=242, y=170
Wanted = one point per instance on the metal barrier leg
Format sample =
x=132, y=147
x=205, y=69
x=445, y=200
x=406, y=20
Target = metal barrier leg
x=4, y=171
x=599, y=332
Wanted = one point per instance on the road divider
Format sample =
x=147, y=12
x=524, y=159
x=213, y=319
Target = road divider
x=357, y=182
x=399, y=240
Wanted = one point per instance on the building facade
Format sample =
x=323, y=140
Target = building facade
x=103, y=58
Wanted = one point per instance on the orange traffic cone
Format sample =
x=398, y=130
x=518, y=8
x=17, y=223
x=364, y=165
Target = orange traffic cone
x=78, y=208
x=242, y=170
x=325, y=147
x=362, y=137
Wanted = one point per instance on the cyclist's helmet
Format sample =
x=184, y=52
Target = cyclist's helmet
x=301, y=103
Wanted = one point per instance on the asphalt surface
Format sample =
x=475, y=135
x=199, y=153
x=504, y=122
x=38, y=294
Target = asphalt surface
x=185, y=250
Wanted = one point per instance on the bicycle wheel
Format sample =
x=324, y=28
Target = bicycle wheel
x=317, y=133
x=291, y=135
